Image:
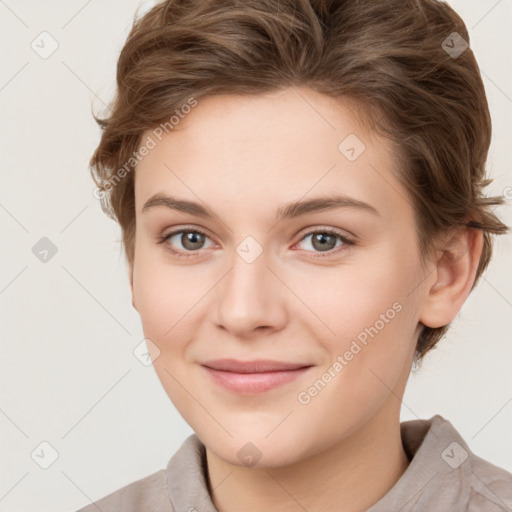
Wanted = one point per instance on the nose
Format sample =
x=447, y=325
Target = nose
x=250, y=298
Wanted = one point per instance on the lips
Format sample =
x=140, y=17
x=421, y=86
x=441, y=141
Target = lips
x=252, y=377
x=257, y=366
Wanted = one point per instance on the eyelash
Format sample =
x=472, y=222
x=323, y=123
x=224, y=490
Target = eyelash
x=187, y=254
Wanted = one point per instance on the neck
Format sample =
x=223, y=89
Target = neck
x=350, y=476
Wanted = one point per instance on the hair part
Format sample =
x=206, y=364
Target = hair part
x=385, y=57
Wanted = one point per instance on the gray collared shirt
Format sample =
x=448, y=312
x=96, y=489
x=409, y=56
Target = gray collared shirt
x=443, y=475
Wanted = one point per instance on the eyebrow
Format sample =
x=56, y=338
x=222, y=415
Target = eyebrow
x=288, y=211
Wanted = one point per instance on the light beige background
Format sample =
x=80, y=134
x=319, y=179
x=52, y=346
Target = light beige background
x=68, y=375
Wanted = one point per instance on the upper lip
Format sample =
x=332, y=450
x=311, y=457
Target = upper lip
x=256, y=366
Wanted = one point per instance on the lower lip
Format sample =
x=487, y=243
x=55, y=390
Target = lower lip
x=252, y=383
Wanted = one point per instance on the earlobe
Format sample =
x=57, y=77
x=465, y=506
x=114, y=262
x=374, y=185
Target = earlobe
x=455, y=272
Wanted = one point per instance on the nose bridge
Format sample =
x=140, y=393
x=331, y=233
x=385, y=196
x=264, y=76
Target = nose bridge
x=249, y=296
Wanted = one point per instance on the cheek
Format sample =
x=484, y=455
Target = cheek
x=167, y=297
x=372, y=316
x=367, y=365
x=165, y=289
x=348, y=299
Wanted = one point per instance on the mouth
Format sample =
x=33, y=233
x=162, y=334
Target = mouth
x=252, y=377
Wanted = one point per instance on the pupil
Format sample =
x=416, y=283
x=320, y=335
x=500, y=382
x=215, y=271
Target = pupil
x=193, y=238
x=320, y=238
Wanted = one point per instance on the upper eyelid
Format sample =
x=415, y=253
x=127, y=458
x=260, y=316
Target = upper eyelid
x=184, y=230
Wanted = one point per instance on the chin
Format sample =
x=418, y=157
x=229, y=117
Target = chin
x=256, y=455
x=254, y=448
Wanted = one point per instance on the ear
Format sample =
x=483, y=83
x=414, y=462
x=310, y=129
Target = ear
x=130, y=274
x=455, y=271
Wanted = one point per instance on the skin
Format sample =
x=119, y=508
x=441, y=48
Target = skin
x=245, y=157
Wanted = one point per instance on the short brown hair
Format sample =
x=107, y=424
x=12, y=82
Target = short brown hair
x=393, y=58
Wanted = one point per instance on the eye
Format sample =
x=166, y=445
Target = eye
x=191, y=241
x=325, y=241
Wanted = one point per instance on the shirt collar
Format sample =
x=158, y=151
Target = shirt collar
x=436, y=478
x=436, y=474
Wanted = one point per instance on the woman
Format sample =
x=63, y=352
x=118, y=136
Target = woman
x=300, y=190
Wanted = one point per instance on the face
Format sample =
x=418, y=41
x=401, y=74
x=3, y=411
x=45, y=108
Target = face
x=335, y=292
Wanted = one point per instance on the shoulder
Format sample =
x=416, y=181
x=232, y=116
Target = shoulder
x=149, y=493
x=481, y=484
x=491, y=487
x=444, y=474
x=175, y=487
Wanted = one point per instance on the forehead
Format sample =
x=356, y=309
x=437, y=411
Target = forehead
x=264, y=150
